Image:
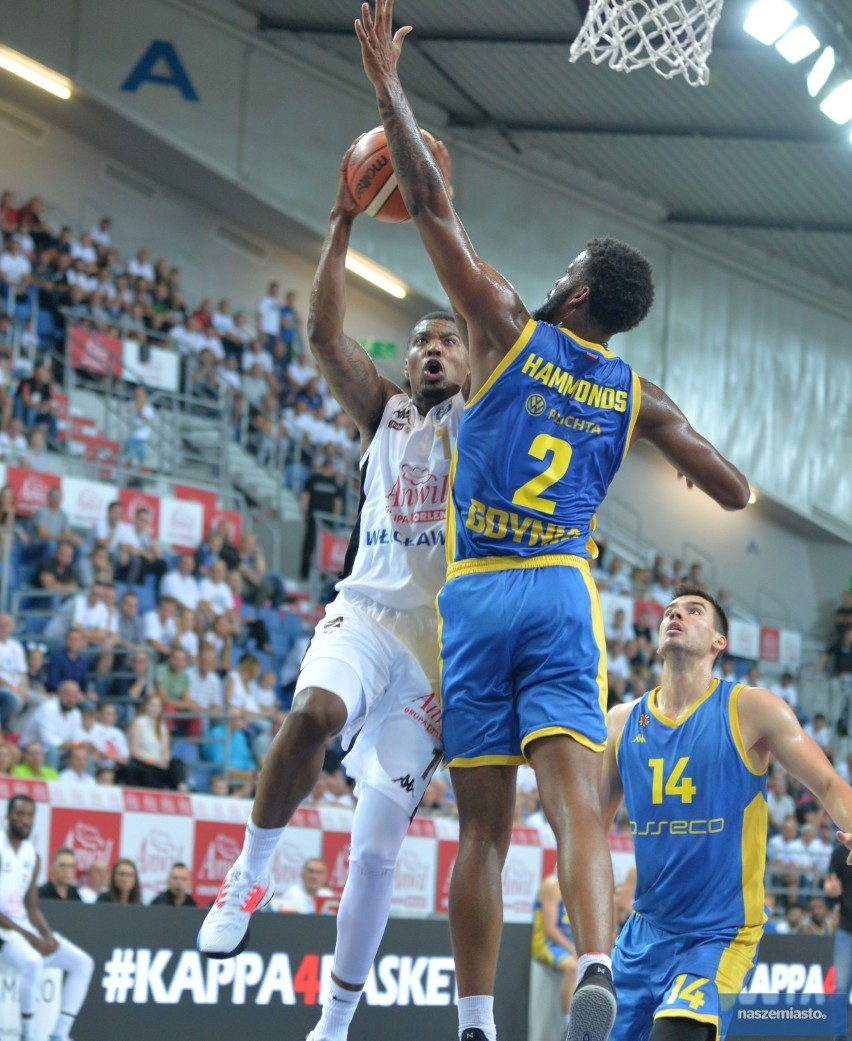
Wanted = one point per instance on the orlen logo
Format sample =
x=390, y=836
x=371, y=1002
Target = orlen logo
x=89, y=844
x=136, y=503
x=220, y=855
x=287, y=863
x=157, y=854
x=98, y=353
x=33, y=489
x=518, y=880
x=411, y=872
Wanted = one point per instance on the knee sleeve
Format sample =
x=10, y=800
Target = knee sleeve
x=378, y=828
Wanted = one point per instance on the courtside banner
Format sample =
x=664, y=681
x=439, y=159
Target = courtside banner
x=150, y=982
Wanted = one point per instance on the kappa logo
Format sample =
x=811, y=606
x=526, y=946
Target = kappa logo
x=639, y=739
x=332, y=623
x=404, y=412
x=406, y=782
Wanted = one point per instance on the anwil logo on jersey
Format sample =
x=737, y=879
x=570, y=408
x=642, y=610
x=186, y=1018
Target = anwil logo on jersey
x=418, y=496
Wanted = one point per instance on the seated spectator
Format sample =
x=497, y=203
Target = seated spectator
x=15, y=268
x=150, y=748
x=33, y=766
x=205, y=689
x=124, y=887
x=13, y=672
x=130, y=627
x=69, y=664
x=105, y=531
x=252, y=569
x=161, y=626
x=37, y=670
x=303, y=897
x=77, y=766
x=34, y=403
x=820, y=731
x=61, y=878
x=178, y=891
x=837, y=656
x=241, y=762
x=819, y=922
x=843, y=614
x=171, y=684
x=779, y=802
x=215, y=596
x=793, y=922
x=10, y=756
x=129, y=691
x=57, y=724
x=725, y=669
x=97, y=881
x=96, y=567
x=37, y=457
x=187, y=634
x=88, y=613
x=787, y=860
x=13, y=443
x=786, y=689
x=138, y=554
x=181, y=583
x=108, y=741
x=51, y=525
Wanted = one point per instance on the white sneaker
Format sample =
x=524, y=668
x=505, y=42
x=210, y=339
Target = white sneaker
x=225, y=930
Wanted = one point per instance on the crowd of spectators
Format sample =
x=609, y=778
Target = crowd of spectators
x=251, y=363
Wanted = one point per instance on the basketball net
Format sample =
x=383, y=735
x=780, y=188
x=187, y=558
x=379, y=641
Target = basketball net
x=674, y=37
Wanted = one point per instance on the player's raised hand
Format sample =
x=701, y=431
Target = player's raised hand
x=344, y=203
x=846, y=838
x=442, y=158
x=380, y=45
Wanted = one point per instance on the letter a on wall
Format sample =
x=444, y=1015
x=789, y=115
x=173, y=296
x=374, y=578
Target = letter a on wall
x=172, y=71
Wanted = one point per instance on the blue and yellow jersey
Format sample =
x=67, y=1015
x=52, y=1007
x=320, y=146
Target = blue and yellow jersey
x=541, y=943
x=538, y=447
x=698, y=816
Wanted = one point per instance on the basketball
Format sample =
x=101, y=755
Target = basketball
x=372, y=181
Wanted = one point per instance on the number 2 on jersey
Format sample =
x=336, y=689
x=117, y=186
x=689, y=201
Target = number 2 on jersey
x=675, y=784
x=529, y=495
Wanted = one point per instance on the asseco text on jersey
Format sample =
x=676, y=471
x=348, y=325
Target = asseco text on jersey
x=679, y=827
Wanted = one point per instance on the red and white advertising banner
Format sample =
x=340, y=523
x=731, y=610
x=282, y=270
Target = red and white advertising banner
x=416, y=870
x=770, y=643
x=744, y=639
x=101, y=450
x=336, y=825
x=30, y=488
x=612, y=602
x=647, y=612
x=332, y=552
x=86, y=502
x=95, y=352
x=181, y=523
x=131, y=500
x=208, y=500
x=521, y=875
x=790, y=649
x=157, y=831
x=157, y=368
x=447, y=832
x=217, y=846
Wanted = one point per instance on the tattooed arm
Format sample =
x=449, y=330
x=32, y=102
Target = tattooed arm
x=346, y=366
x=493, y=311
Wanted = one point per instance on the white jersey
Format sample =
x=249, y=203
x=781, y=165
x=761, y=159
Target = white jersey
x=401, y=558
x=17, y=867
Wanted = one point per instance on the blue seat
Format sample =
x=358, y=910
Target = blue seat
x=147, y=598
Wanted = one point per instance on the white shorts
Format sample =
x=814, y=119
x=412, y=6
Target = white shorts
x=358, y=653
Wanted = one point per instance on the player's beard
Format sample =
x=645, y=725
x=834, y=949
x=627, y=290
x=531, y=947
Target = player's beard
x=551, y=307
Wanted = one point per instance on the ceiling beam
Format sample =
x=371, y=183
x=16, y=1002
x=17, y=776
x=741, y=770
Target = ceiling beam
x=756, y=224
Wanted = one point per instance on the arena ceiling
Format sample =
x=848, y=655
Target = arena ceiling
x=747, y=163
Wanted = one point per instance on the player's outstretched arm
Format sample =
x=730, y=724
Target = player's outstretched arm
x=769, y=728
x=346, y=366
x=493, y=310
x=663, y=424
x=612, y=789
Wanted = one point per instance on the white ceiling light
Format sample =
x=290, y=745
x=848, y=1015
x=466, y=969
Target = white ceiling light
x=823, y=68
x=797, y=44
x=376, y=275
x=770, y=19
x=838, y=104
x=36, y=73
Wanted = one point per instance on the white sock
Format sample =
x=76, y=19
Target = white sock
x=258, y=846
x=567, y=1020
x=27, y=1028
x=478, y=1011
x=337, y=1013
x=585, y=961
x=63, y=1026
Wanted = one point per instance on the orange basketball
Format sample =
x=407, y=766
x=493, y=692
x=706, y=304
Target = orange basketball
x=372, y=181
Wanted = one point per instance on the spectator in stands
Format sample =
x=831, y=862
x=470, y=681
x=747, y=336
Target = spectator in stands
x=269, y=316
x=205, y=688
x=96, y=883
x=108, y=741
x=51, y=525
x=13, y=444
x=252, y=569
x=187, y=634
x=178, y=891
x=15, y=268
x=819, y=921
x=37, y=457
x=139, y=553
x=13, y=672
x=321, y=494
x=842, y=618
x=33, y=764
x=103, y=534
x=171, y=684
x=181, y=582
x=820, y=731
x=61, y=878
x=96, y=567
x=291, y=329
x=787, y=860
x=141, y=269
x=13, y=536
x=241, y=761
x=37, y=671
x=786, y=689
x=793, y=922
x=300, y=372
x=140, y=417
x=57, y=723
x=725, y=669
x=100, y=234
x=161, y=626
x=779, y=802
x=88, y=613
x=34, y=403
x=302, y=897
x=616, y=580
x=124, y=887
x=214, y=595
x=129, y=691
x=69, y=664
x=10, y=756
x=151, y=750
x=77, y=765
x=838, y=655
x=130, y=628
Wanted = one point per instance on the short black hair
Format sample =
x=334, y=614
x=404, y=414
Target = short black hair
x=621, y=284
x=20, y=797
x=435, y=316
x=685, y=589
